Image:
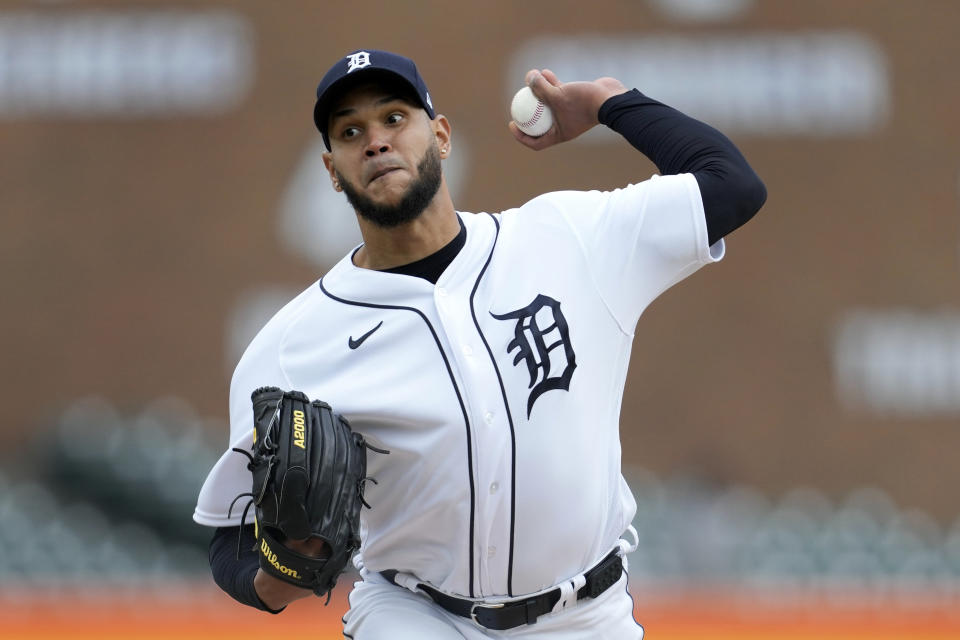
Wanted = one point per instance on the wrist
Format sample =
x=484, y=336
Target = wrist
x=606, y=88
x=275, y=594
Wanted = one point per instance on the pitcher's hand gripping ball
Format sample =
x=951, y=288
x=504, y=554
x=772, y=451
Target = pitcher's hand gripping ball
x=531, y=116
x=309, y=470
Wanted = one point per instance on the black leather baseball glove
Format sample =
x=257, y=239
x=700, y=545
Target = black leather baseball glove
x=309, y=470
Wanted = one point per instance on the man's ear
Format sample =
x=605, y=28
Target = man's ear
x=442, y=131
x=328, y=163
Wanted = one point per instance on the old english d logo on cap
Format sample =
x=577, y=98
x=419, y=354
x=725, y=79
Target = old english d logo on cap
x=358, y=60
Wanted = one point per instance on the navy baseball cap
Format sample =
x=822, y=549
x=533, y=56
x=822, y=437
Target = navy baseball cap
x=363, y=62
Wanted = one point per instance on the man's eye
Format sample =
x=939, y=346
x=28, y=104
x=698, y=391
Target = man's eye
x=394, y=118
x=350, y=132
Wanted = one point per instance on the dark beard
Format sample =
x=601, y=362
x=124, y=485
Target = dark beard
x=414, y=201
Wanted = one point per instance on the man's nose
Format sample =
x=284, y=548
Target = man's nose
x=377, y=148
x=378, y=142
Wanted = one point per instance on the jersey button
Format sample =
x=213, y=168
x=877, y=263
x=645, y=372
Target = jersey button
x=467, y=350
x=488, y=417
x=494, y=487
x=442, y=292
x=491, y=551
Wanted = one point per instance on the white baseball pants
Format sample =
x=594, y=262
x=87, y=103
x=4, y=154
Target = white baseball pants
x=380, y=610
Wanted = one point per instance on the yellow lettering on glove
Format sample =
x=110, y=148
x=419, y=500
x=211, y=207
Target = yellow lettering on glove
x=272, y=559
x=299, y=429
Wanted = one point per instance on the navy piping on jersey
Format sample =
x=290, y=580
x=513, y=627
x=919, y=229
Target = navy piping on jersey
x=463, y=408
x=506, y=405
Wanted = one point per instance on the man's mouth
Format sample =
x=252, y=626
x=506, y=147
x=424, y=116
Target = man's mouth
x=379, y=173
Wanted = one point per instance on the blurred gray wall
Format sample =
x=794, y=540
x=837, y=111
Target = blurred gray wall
x=161, y=194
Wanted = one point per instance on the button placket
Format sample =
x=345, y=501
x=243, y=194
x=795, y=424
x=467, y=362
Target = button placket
x=481, y=390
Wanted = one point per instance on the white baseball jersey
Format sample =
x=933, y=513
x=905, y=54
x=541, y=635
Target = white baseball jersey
x=497, y=390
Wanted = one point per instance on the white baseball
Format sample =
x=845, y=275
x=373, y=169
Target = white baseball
x=532, y=116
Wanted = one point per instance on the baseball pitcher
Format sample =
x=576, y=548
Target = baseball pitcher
x=443, y=404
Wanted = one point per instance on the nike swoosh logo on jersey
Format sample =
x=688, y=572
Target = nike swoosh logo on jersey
x=353, y=344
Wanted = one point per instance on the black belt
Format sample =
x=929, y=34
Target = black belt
x=500, y=616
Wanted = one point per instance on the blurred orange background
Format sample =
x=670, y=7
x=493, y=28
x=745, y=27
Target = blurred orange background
x=202, y=612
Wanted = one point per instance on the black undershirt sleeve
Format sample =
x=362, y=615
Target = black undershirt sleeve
x=731, y=191
x=235, y=574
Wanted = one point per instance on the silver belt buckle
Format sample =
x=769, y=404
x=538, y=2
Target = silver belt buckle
x=473, y=611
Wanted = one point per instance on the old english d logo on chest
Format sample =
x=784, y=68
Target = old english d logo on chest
x=542, y=340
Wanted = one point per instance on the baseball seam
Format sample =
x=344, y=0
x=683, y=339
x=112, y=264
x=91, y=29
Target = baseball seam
x=533, y=119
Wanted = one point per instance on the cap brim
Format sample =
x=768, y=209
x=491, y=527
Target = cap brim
x=321, y=110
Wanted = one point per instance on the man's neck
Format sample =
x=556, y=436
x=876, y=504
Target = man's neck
x=385, y=248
